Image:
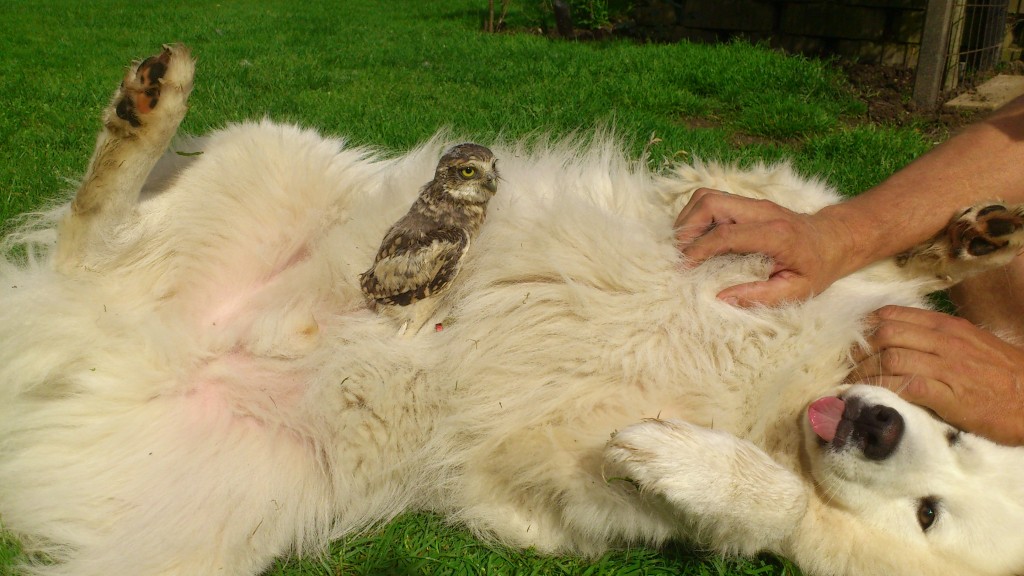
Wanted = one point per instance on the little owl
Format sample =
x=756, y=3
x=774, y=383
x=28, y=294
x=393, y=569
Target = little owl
x=422, y=253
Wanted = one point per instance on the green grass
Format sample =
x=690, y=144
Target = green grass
x=9, y=551
x=390, y=74
x=422, y=544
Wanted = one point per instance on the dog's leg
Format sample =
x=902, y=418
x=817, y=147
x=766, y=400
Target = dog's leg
x=139, y=123
x=729, y=493
x=982, y=237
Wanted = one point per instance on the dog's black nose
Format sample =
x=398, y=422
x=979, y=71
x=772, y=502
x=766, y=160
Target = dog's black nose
x=877, y=430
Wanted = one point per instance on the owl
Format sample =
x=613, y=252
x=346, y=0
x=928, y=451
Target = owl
x=422, y=253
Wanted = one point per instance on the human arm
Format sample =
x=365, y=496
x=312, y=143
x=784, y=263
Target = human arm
x=811, y=251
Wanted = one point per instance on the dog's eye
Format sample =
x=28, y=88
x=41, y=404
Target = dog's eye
x=927, y=512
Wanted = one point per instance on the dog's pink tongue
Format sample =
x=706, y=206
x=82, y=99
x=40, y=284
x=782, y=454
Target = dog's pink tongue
x=824, y=415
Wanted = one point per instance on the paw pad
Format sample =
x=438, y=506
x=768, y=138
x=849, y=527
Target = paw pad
x=984, y=231
x=141, y=93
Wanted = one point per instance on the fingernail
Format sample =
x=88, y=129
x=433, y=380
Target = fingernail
x=730, y=300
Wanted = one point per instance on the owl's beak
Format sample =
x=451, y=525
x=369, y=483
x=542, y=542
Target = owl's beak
x=491, y=185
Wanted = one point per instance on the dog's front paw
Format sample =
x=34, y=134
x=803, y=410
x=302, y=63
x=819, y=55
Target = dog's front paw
x=729, y=491
x=985, y=236
x=682, y=462
x=638, y=454
x=154, y=92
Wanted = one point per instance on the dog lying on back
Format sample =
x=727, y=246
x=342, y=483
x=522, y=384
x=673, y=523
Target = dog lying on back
x=191, y=381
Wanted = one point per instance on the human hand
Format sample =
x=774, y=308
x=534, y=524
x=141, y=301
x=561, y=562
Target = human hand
x=966, y=375
x=806, y=250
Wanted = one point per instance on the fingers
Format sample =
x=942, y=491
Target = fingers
x=902, y=362
x=912, y=331
x=909, y=353
x=920, y=316
x=966, y=375
x=781, y=288
x=708, y=209
x=715, y=223
x=906, y=342
x=698, y=216
x=730, y=238
x=929, y=393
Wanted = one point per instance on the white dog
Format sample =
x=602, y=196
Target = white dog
x=191, y=381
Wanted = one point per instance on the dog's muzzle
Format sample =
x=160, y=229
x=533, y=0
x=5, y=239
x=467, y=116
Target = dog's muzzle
x=846, y=423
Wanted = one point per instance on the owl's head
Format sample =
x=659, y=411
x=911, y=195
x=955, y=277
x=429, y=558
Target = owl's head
x=468, y=173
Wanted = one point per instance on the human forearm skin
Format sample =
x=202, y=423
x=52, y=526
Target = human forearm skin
x=985, y=161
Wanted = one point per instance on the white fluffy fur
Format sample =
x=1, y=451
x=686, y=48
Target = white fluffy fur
x=213, y=392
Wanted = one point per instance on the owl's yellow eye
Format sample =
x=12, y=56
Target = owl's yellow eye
x=468, y=172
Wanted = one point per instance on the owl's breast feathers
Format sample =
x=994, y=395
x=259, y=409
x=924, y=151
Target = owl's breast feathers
x=422, y=253
x=414, y=263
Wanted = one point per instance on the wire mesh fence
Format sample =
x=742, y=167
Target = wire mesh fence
x=962, y=40
x=975, y=40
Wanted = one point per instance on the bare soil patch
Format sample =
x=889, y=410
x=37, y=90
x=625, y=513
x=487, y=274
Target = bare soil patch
x=887, y=91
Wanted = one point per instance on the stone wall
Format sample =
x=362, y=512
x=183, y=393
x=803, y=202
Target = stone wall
x=871, y=31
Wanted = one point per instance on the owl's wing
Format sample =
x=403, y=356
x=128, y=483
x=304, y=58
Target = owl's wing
x=411, y=266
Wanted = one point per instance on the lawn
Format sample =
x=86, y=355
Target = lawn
x=390, y=73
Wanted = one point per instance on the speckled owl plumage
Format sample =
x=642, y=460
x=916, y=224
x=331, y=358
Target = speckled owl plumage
x=422, y=253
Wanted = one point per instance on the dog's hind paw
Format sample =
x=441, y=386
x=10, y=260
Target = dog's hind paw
x=984, y=229
x=153, y=94
x=979, y=238
x=138, y=125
